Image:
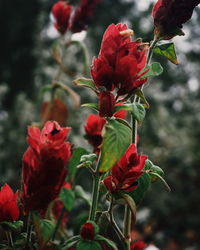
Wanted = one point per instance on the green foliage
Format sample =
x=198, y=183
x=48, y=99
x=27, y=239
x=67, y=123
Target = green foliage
x=84, y=82
x=116, y=139
x=15, y=226
x=91, y=106
x=108, y=242
x=46, y=228
x=88, y=245
x=168, y=51
x=154, y=69
x=67, y=196
x=70, y=242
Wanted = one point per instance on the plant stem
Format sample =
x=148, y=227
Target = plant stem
x=29, y=232
x=58, y=224
x=95, y=192
x=11, y=240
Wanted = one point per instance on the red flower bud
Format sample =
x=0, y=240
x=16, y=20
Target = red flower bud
x=88, y=231
x=138, y=245
x=170, y=15
x=9, y=210
x=61, y=12
x=44, y=171
x=106, y=104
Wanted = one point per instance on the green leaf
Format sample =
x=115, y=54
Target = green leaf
x=168, y=51
x=143, y=186
x=91, y=106
x=73, y=163
x=67, y=196
x=46, y=228
x=140, y=94
x=151, y=169
x=108, y=242
x=70, y=242
x=155, y=69
x=88, y=245
x=163, y=181
x=88, y=158
x=84, y=82
x=116, y=139
x=12, y=226
x=80, y=193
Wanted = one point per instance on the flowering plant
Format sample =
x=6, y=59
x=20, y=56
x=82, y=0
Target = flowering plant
x=121, y=173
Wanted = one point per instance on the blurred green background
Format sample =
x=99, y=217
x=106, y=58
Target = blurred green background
x=171, y=131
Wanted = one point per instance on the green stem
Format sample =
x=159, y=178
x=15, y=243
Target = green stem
x=29, y=232
x=95, y=192
x=58, y=224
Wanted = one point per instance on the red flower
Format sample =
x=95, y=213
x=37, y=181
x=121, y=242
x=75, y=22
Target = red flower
x=44, y=171
x=58, y=207
x=106, y=104
x=120, y=61
x=88, y=231
x=169, y=15
x=9, y=210
x=83, y=15
x=61, y=12
x=125, y=173
x=138, y=245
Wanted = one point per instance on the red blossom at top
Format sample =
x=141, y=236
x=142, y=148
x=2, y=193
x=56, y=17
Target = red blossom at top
x=9, y=210
x=170, y=15
x=83, y=14
x=44, y=171
x=138, y=245
x=125, y=173
x=120, y=61
x=61, y=12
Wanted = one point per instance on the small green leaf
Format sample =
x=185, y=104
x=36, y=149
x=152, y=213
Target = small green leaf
x=73, y=163
x=80, y=193
x=88, y=245
x=84, y=82
x=67, y=196
x=91, y=158
x=163, y=181
x=108, y=242
x=140, y=94
x=12, y=226
x=46, y=228
x=143, y=186
x=70, y=242
x=168, y=51
x=91, y=106
x=155, y=69
x=151, y=168
x=116, y=139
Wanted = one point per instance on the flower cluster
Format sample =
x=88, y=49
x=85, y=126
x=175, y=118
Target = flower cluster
x=125, y=173
x=9, y=210
x=119, y=66
x=44, y=162
x=170, y=15
x=75, y=21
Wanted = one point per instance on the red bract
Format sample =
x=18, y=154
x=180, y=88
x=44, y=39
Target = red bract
x=58, y=207
x=120, y=61
x=88, y=231
x=9, y=210
x=106, y=104
x=44, y=171
x=138, y=245
x=125, y=173
x=83, y=14
x=61, y=12
x=170, y=15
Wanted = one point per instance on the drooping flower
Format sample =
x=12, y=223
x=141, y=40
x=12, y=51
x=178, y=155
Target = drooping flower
x=83, y=15
x=125, y=173
x=44, y=166
x=138, y=245
x=9, y=210
x=61, y=12
x=120, y=61
x=170, y=15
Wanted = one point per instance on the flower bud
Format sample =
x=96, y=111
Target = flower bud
x=89, y=230
x=106, y=104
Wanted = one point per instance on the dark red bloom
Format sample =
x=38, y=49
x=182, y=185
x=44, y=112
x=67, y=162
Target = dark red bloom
x=120, y=61
x=170, y=15
x=138, y=245
x=125, y=173
x=9, y=210
x=61, y=12
x=93, y=129
x=88, y=231
x=58, y=207
x=83, y=15
x=44, y=162
x=106, y=104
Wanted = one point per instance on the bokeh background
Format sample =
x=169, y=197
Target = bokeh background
x=170, y=134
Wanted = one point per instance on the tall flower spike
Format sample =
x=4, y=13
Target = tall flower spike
x=44, y=166
x=170, y=15
x=9, y=210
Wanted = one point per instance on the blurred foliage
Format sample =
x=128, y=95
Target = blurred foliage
x=170, y=133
